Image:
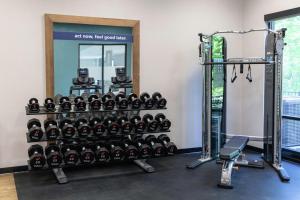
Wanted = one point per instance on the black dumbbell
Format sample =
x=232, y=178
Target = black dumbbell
x=138, y=124
x=82, y=127
x=116, y=152
x=121, y=101
x=101, y=152
x=80, y=104
x=131, y=152
x=97, y=127
x=35, y=131
x=86, y=153
x=36, y=156
x=145, y=150
x=112, y=126
x=125, y=125
x=57, y=98
x=157, y=148
x=70, y=154
x=94, y=102
x=159, y=101
x=65, y=104
x=72, y=98
x=147, y=101
x=67, y=128
x=169, y=146
x=51, y=129
x=49, y=104
x=164, y=124
x=108, y=102
x=134, y=101
x=33, y=105
x=151, y=124
x=53, y=156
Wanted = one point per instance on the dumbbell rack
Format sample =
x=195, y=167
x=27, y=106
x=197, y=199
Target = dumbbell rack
x=59, y=172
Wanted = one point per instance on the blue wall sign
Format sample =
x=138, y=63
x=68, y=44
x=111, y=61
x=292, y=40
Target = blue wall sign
x=92, y=37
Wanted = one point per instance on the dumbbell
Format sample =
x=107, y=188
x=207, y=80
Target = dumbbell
x=67, y=128
x=157, y=148
x=131, y=152
x=125, y=125
x=35, y=131
x=53, y=156
x=134, y=101
x=33, y=105
x=101, y=152
x=108, y=102
x=138, y=124
x=164, y=124
x=116, y=152
x=86, y=153
x=121, y=101
x=36, y=156
x=51, y=129
x=82, y=127
x=94, y=102
x=112, y=126
x=72, y=98
x=70, y=154
x=97, y=127
x=49, y=104
x=159, y=101
x=65, y=104
x=144, y=149
x=151, y=124
x=169, y=146
x=147, y=101
x=80, y=104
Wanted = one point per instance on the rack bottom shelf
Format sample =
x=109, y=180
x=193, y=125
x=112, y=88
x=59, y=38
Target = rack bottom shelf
x=109, y=170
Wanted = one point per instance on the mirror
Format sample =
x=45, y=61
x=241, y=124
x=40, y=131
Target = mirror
x=79, y=48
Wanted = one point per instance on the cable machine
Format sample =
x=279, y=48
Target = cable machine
x=213, y=139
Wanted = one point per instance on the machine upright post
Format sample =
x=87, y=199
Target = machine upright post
x=277, y=142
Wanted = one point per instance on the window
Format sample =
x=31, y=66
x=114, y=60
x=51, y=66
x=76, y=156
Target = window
x=91, y=57
x=114, y=56
x=218, y=120
x=101, y=60
x=290, y=83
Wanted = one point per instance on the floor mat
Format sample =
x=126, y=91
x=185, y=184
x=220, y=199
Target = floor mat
x=171, y=181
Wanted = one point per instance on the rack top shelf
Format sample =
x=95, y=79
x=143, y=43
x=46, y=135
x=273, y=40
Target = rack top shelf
x=43, y=111
x=239, y=63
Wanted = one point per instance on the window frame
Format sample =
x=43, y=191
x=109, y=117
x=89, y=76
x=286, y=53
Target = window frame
x=270, y=20
x=102, y=56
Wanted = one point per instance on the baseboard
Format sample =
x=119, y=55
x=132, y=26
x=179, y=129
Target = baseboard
x=180, y=151
x=13, y=169
x=189, y=150
x=253, y=148
x=25, y=167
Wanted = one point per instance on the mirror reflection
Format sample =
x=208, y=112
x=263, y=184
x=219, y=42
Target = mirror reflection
x=89, y=59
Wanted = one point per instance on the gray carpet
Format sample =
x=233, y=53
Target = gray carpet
x=171, y=181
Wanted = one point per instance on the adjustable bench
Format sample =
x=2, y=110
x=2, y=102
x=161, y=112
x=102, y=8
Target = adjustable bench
x=229, y=156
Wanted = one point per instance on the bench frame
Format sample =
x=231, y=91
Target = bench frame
x=229, y=165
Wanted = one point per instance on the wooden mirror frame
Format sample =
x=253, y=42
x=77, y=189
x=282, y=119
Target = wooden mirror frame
x=50, y=19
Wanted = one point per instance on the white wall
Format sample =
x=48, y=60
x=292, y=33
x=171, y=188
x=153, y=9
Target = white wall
x=169, y=58
x=253, y=46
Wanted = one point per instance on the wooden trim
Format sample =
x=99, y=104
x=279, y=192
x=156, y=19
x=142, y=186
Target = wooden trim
x=49, y=56
x=72, y=19
x=50, y=19
x=136, y=59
